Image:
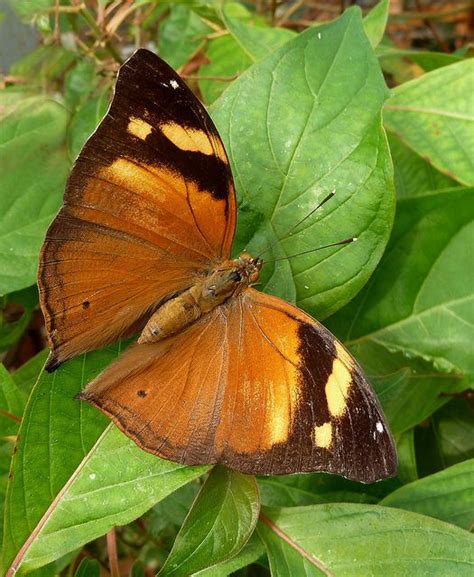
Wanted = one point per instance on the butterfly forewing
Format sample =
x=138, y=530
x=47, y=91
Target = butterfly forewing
x=257, y=385
x=149, y=203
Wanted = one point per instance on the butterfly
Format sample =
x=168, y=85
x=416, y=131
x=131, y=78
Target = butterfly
x=221, y=372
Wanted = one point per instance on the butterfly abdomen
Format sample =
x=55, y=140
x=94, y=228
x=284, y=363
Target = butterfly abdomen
x=185, y=309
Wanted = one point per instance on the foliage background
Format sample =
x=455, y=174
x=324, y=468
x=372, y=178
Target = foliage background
x=403, y=308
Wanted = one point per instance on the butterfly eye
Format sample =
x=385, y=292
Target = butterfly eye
x=235, y=276
x=212, y=290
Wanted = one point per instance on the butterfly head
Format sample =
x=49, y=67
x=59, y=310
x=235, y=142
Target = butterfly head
x=249, y=267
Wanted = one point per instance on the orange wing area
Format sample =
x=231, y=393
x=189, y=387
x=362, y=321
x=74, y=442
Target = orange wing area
x=257, y=385
x=149, y=204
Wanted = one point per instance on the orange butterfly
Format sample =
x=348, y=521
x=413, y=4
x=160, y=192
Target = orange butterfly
x=221, y=372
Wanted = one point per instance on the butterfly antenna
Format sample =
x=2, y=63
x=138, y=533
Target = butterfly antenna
x=295, y=226
x=346, y=241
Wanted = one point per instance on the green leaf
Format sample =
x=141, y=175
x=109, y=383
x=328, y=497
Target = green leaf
x=295, y=490
x=29, y=8
x=288, y=154
x=226, y=61
x=88, y=568
x=414, y=175
x=68, y=485
x=99, y=496
x=407, y=467
x=6, y=447
x=85, y=121
x=447, y=495
x=32, y=141
x=171, y=511
x=427, y=60
x=26, y=376
x=249, y=40
x=376, y=21
x=360, y=540
x=218, y=525
x=256, y=39
x=419, y=301
x=449, y=439
x=205, y=8
x=250, y=553
x=55, y=435
x=11, y=404
x=10, y=96
x=47, y=63
x=181, y=35
x=454, y=431
x=80, y=82
x=137, y=570
x=434, y=115
x=409, y=388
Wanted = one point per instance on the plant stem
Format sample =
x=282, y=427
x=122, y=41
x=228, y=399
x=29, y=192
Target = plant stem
x=112, y=553
x=98, y=34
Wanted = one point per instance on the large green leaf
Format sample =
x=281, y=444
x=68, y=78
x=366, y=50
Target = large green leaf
x=218, y=525
x=288, y=153
x=447, y=495
x=350, y=540
x=434, y=115
x=414, y=175
x=419, y=301
x=99, y=496
x=34, y=169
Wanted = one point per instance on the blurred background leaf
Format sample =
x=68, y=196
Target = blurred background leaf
x=32, y=140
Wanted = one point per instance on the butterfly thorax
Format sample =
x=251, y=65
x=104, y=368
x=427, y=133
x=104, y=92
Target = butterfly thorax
x=215, y=288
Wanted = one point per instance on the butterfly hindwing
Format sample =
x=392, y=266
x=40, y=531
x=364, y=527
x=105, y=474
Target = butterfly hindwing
x=257, y=385
x=149, y=203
